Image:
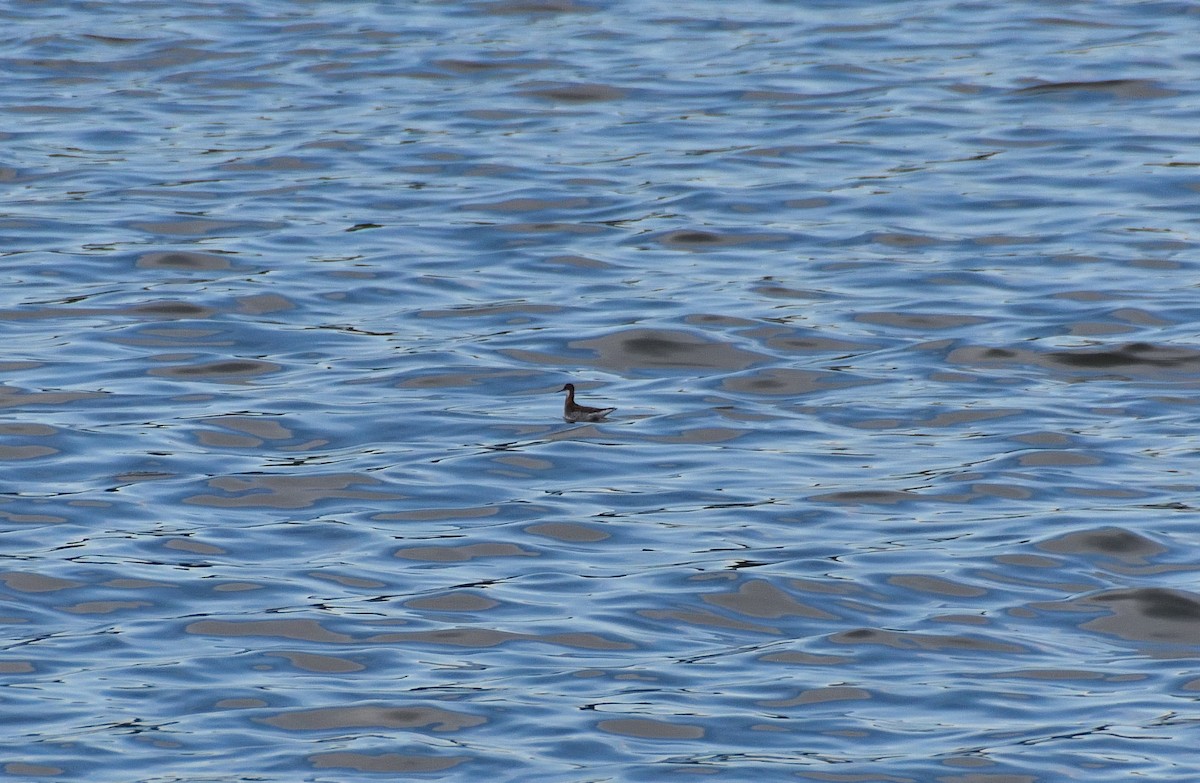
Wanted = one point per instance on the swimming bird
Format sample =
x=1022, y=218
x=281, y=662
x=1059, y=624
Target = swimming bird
x=572, y=411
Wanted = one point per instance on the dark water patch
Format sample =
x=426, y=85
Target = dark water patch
x=920, y=321
x=279, y=163
x=702, y=618
x=19, y=516
x=922, y=641
x=1051, y=458
x=240, y=704
x=235, y=587
x=296, y=629
x=518, y=466
x=1146, y=614
x=457, y=601
x=1112, y=542
x=533, y=7
x=962, y=619
x=815, y=202
x=819, y=696
x=244, y=431
x=1002, y=491
x=319, y=664
x=783, y=292
x=791, y=340
x=1128, y=356
x=1133, y=359
x=497, y=66
x=579, y=262
x=183, y=260
x=696, y=239
x=19, y=769
x=709, y=320
x=936, y=586
x=567, y=92
x=156, y=310
x=519, y=312
x=1121, y=89
x=896, y=240
x=222, y=371
x=17, y=366
x=885, y=497
x=25, y=582
x=289, y=492
x=632, y=350
x=487, y=637
x=463, y=378
x=391, y=763
x=527, y=204
x=1099, y=329
x=439, y=514
x=106, y=607
x=1138, y=317
x=650, y=729
x=568, y=532
x=44, y=110
x=195, y=547
x=458, y=554
x=18, y=453
x=157, y=336
x=1029, y=561
x=535, y=230
x=959, y=418
x=264, y=304
x=772, y=96
x=201, y=227
x=27, y=430
x=1067, y=675
x=758, y=598
x=348, y=581
x=1001, y=240
x=805, y=659
x=16, y=667
x=699, y=435
x=52, y=313
x=1043, y=439
x=782, y=382
x=171, y=310
x=428, y=718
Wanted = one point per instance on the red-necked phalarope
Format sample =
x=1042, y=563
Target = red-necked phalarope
x=572, y=411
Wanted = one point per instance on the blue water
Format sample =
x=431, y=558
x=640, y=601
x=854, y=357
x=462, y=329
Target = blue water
x=897, y=303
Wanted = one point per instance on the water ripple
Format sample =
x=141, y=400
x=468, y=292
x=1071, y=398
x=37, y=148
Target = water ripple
x=894, y=305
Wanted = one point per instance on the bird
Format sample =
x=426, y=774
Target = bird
x=572, y=411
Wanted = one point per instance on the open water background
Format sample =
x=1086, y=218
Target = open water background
x=898, y=303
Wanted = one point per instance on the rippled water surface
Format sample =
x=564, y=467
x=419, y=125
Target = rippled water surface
x=897, y=303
